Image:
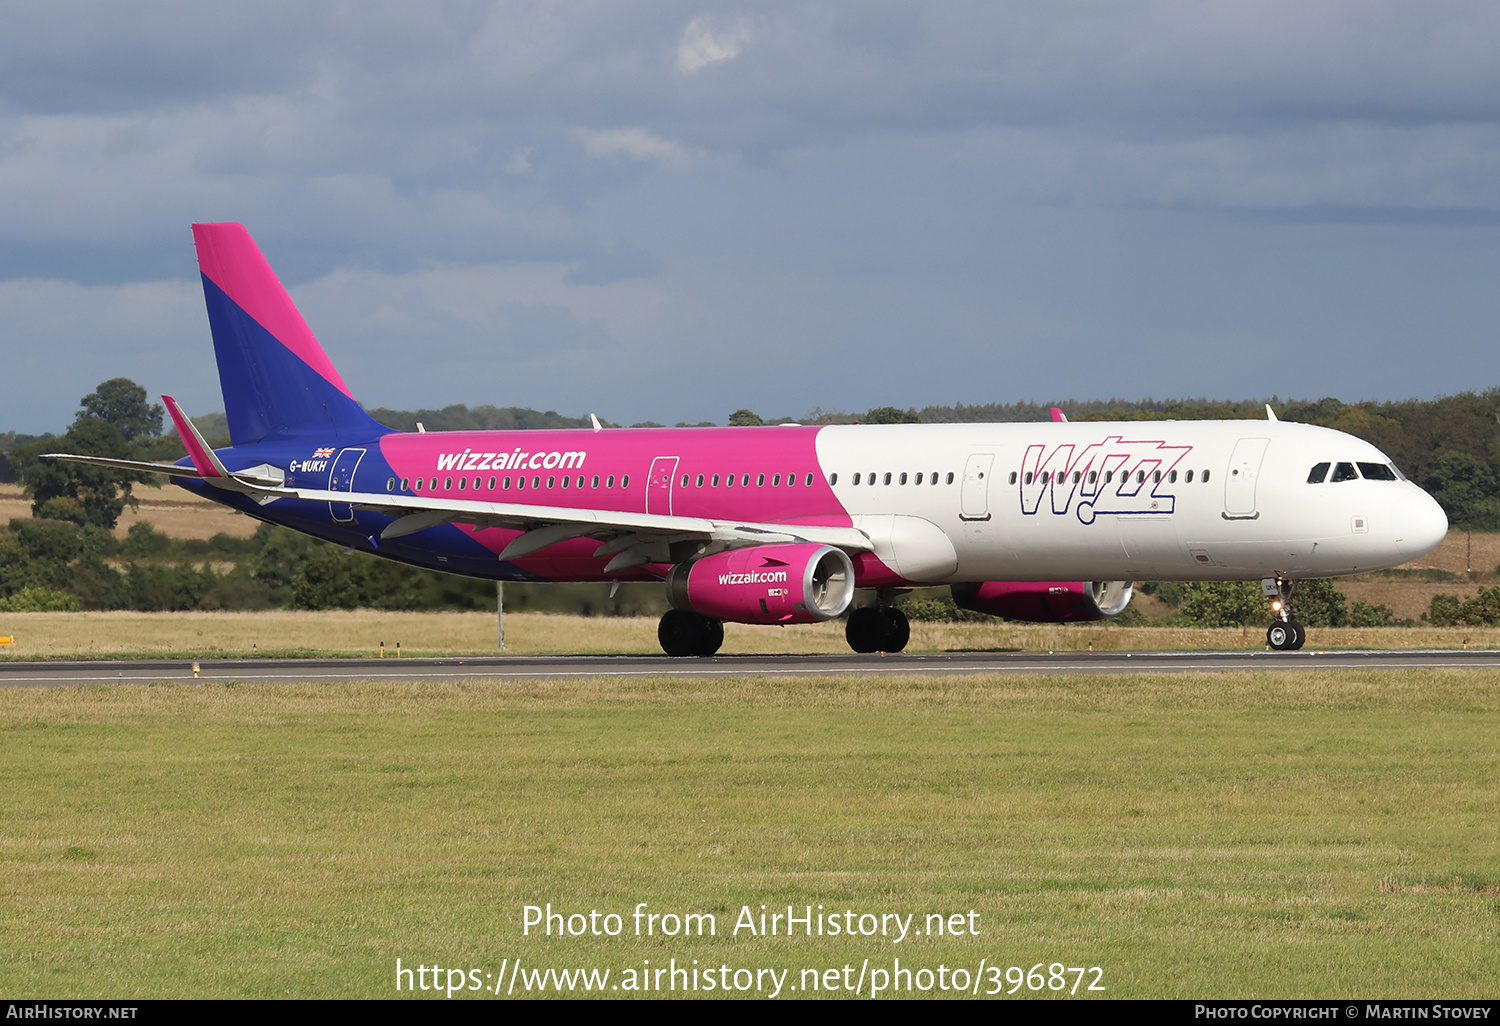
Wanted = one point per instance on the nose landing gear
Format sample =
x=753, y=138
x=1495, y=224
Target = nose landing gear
x=1285, y=634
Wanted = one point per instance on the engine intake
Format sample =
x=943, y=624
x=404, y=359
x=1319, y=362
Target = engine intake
x=796, y=583
x=1046, y=601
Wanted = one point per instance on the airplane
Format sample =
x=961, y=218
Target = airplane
x=1046, y=522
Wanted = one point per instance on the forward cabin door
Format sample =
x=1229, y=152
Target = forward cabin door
x=1239, y=483
x=975, y=498
x=659, y=485
x=341, y=479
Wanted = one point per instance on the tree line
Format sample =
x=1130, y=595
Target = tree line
x=68, y=558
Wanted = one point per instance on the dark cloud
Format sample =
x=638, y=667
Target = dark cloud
x=676, y=184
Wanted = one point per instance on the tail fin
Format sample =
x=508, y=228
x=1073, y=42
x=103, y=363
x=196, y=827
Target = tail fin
x=277, y=381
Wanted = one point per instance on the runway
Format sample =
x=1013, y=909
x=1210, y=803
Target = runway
x=515, y=668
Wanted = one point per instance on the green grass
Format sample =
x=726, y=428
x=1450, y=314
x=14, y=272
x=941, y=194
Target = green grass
x=1319, y=834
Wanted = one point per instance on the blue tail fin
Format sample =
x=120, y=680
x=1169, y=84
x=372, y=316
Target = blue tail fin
x=277, y=381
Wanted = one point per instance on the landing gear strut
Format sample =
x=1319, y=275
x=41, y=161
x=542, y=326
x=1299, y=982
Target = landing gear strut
x=878, y=628
x=1285, y=634
x=688, y=634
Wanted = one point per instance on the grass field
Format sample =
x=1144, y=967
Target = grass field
x=1325, y=834
x=359, y=633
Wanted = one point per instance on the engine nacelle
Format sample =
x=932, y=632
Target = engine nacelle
x=1046, y=601
x=765, y=584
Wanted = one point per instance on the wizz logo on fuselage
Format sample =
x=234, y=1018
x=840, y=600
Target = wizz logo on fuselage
x=1113, y=476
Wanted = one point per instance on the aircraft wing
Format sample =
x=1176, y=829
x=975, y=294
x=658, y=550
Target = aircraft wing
x=631, y=538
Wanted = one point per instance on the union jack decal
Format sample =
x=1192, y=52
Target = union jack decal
x=321, y=453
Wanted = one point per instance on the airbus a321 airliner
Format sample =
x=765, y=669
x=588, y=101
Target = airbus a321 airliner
x=1046, y=522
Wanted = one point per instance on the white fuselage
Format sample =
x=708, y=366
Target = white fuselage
x=1153, y=500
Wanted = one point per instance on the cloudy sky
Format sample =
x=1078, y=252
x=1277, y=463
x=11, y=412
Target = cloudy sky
x=669, y=210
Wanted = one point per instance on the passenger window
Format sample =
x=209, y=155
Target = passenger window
x=520, y=482
x=1140, y=477
x=1172, y=477
x=1344, y=472
x=1376, y=472
x=403, y=484
x=625, y=481
x=903, y=479
x=1093, y=476
x=887, y=477
x=551, y=482
x=505, y=483
x=1318, y=473
x=390, y=484
x=716, y=481
x=1189, y=478
x=699, y=484
x=760, y=480
x=1028, y=477
x=417, y=485
x=609, y=482
x=950, y=477
x=1012, y=478
x=808, y=482
x=856, y=478
x=1205, y=477
x=745, y=481
x=775, y=480
x=595, y=482
x=1077, y=476
x=1109, y=477
x=833, y=479
x=1156, y=477
x=728, y=480
x=447, y=484
x=492, y=483
x=685, y=480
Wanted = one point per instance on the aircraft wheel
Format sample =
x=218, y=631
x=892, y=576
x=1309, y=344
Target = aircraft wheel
x=895, y=629
x=864, y=630
x=1285, y=636
x=686, y=634
x=710, y=636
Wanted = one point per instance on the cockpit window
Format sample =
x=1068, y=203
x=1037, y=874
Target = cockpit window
x=1376, y=472
x=1318, y=473
x=1344, y=472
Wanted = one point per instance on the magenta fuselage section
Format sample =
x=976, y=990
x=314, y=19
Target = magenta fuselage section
x=754, y=475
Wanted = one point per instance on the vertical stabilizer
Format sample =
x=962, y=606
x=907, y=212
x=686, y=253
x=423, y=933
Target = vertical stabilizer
x=277, y=381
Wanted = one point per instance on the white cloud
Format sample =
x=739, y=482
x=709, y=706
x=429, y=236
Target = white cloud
x=701, y=46
x=639, y=144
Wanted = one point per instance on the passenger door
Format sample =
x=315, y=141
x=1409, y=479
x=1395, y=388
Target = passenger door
x=659, y=486
x=341, y=479
x=1239, y=483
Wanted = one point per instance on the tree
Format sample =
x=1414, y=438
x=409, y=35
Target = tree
x=1465, y=486
x=745, y=418
x=122, y=403
x=891, y=415
x=79, y=492
x=114, y=420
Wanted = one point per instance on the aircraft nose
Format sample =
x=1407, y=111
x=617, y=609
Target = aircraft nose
x=1420, y=524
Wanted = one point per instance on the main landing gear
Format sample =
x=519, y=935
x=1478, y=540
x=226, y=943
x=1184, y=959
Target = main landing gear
x=689, y=634
x=878, y=628
x=1285, y=634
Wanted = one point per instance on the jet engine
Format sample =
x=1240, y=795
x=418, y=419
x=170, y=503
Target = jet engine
x=1046, y=601
x=794, y=583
